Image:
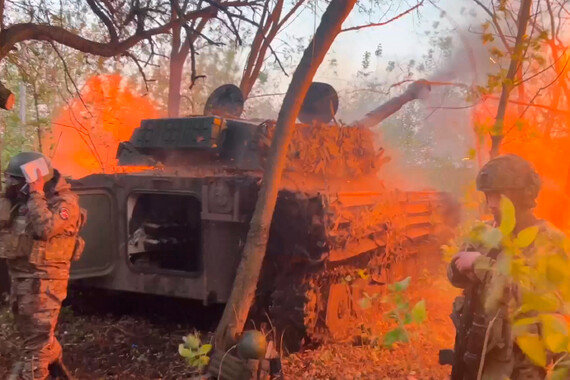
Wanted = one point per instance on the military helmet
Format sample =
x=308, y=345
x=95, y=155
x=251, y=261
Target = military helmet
x=509, y=172
x=14, y=166
x=320, y=104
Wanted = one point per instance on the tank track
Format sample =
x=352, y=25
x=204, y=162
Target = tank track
x=293, y=311
x=4, y=281
x=298, y=306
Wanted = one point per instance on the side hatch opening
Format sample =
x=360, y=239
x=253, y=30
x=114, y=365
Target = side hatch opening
x=164, y=232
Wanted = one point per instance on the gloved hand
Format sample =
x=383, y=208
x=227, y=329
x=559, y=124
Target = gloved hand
x=464, y=261
x=38, y=184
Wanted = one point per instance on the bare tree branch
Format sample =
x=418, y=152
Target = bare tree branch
x=387, y=21
x=514, y=66
x=68, y=74
x=496, y=24
x=39, y=32
x=106, y=20
x=140, y=68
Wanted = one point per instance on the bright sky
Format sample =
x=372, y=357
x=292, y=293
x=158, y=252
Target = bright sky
x=401, y=40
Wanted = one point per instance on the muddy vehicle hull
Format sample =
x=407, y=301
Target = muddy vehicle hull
x=201, y=267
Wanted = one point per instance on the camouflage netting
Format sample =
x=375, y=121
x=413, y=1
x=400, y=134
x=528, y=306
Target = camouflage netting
x=332, y=151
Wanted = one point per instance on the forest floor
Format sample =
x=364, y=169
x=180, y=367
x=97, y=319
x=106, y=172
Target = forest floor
x=126, y=339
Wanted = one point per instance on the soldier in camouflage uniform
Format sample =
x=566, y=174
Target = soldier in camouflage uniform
x=39, y=224
x=515, y=178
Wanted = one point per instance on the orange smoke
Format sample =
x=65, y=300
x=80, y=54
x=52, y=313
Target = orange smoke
x=541, y=135
x=85, y=136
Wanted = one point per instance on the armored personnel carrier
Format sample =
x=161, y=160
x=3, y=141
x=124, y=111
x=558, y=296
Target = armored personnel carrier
x=175, y=221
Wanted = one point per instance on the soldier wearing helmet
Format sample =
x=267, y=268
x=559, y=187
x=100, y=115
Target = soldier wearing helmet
x=478, y=332
x=39, y=223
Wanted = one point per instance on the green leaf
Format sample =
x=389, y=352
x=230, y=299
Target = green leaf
x=419, y=312
x=491, y=238
x=184, y=352
x=559, y=374
x=533, y=348
x=554, y=332
x=508, y=219
x=408, y=318
x=526, y=237
x=393, y=336
x=365, y=303
x=205, y=349
x=401, y=285
x=203, y=361
x=192, y=341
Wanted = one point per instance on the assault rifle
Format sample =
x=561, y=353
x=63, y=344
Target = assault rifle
x=462, y=320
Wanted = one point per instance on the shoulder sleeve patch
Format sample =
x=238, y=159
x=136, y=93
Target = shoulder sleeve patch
x=64, y=213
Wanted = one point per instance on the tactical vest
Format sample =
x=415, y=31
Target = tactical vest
x=17, y=241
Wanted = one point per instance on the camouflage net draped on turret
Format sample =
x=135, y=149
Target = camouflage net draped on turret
x=333, y=151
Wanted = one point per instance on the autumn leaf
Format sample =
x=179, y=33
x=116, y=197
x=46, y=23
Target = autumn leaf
x=508, y=219
x=533, y=348
x=526, y=237
x=532, y=301
x=557, y=269
x=419, y=312
x=554, y=332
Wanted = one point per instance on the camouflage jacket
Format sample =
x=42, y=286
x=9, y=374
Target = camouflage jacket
x=503, y=358
x=38, y=237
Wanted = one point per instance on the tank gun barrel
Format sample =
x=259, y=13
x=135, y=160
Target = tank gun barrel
x=416, y=90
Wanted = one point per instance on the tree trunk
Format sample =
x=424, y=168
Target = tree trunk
x=245, y=283
x=174, y=85
x=515, y=65
x=176, y=66
x=38, y=121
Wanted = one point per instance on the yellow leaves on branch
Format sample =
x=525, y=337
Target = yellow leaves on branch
x=508, y=220
x=334, y=151
x=534, y=264
x=533, y=348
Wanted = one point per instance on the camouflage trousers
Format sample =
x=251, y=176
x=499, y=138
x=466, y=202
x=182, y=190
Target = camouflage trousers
x=36, y=304
x=519, y=367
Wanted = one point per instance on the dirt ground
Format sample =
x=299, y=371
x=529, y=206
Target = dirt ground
x=415, y=360
x=129, y=337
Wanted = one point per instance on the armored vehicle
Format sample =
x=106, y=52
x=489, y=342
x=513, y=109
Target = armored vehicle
x=174, y=222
